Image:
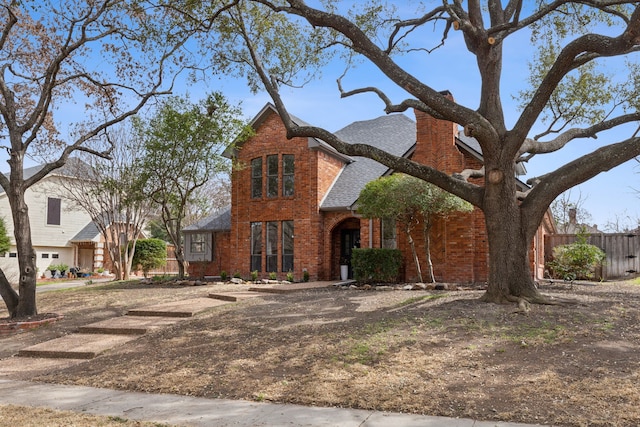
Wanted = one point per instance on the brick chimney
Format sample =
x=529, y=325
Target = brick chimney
x=436, y=142
x=573, y=213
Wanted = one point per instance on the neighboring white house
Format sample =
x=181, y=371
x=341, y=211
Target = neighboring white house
x=58, y=227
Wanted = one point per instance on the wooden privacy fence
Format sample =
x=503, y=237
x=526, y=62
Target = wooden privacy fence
x=622, y=249
x=171, y=266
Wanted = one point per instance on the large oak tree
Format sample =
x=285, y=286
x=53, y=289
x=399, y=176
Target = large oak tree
x=278, y=43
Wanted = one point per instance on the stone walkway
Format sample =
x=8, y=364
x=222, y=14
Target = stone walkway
x=96, y=338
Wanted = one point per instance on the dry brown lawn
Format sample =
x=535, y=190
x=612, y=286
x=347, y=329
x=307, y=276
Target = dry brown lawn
x=23, y=416
x=429, y=352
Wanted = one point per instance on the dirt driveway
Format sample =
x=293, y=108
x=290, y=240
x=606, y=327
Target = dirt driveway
x=432, y=352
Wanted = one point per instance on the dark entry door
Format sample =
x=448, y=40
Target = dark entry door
x=349, y=239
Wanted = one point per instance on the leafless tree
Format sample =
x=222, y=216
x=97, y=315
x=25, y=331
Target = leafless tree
x=110, y=191
x=92, y=63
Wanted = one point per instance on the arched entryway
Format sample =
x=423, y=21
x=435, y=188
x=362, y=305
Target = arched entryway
x=345, y=236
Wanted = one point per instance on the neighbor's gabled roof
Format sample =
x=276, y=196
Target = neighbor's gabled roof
x=73, y=168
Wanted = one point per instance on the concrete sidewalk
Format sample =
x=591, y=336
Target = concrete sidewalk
x=194, y=411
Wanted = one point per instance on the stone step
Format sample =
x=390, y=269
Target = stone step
x=288, y=288
x=234, y=296
x=185, y=308
x=128, y=325
x=75, y=346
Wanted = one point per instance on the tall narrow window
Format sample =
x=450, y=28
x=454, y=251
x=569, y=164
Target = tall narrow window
x=272, y=176
x=53, y=211
x=287, y=245
x=256, y=178
x=287, y=175
x=256, y=246
x=272, y=246
x=389, y=233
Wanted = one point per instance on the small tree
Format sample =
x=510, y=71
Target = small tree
x=149, y=254
x=109, y=191
x=576, y=260
x=410, y=201
x=182, y=145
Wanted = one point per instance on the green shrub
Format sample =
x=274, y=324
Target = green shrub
x=254, y=275
x=376, y=265
x=273, y=275
x=290, y=276
x=305, y=275
x=223, y=276
x=576, y=260
x=150, y=254
x=237, y=275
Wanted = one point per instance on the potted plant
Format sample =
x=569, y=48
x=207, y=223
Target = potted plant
x=62, y=268
x=344, y=268
x=52, y=269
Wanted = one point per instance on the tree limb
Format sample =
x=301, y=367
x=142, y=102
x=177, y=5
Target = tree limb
x=537, y=147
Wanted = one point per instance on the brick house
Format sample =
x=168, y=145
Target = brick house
x=293, y=204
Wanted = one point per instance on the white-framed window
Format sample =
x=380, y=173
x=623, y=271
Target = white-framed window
x=198, y=243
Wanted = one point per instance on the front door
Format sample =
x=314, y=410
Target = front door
x=349, y=239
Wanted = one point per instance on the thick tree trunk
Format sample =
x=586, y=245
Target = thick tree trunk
x=510, y=278
x=27, y=277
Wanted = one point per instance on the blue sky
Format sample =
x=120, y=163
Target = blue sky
x=450, y=68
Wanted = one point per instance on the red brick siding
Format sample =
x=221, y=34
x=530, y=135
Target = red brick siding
x=314, y=173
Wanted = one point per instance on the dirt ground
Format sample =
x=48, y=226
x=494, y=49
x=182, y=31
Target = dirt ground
x=429, y=352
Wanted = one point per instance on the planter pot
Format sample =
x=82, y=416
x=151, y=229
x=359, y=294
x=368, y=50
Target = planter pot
x=344, y=272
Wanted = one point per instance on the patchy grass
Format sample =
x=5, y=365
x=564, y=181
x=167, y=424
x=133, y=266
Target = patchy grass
x=414, y=300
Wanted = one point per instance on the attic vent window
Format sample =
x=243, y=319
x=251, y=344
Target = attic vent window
x=53, y=210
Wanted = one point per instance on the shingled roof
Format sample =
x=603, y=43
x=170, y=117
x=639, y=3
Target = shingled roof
x=218, y=221
x=90, y=233
x=395, y=133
